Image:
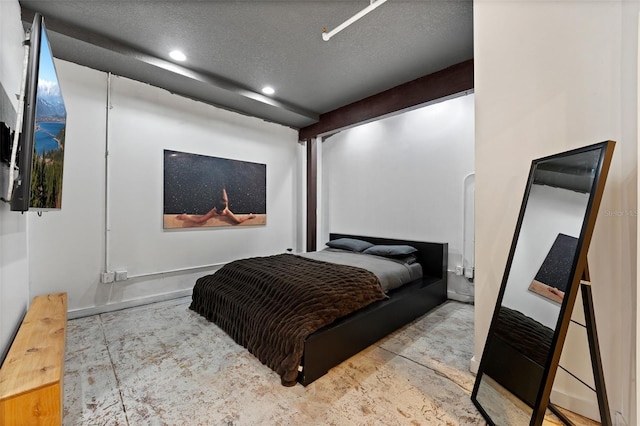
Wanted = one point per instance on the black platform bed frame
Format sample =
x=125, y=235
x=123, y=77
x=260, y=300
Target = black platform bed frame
x=347, y=336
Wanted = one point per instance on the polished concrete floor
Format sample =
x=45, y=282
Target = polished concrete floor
x=163, y=364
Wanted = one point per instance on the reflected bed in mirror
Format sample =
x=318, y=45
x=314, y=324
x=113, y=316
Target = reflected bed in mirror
x=545, y=264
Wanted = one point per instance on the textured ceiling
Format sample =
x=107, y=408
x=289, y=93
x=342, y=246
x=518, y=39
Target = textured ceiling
x=234, y=48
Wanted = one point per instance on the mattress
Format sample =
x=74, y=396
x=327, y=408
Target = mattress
x=392, y=272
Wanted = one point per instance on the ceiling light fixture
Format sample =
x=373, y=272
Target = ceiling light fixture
x=373, y=5
x=177, y=55
x=268, y=90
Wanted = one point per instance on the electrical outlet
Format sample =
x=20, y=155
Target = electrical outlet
x=121, y=275
x=458, y=270
x=107, y=277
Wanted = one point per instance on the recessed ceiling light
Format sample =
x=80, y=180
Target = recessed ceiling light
x=177, y=55
x=268, y=90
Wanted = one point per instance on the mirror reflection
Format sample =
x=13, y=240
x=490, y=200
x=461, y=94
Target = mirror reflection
x=541, y=269
x=552, y=215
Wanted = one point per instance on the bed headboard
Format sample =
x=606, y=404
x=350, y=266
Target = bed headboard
x=432, y=256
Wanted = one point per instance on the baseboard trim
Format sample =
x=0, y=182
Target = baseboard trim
x=117, y=306
x=464, y=298
x=575, y=404
x=474, y=365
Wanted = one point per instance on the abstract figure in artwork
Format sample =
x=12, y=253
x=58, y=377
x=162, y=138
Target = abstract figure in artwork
x=221, y=208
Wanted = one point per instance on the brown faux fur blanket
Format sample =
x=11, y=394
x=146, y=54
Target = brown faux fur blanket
x=271, y=304
x=525, y=334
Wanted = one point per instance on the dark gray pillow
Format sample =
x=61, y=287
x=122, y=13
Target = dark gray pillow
x=390, y=251
x=349, y=244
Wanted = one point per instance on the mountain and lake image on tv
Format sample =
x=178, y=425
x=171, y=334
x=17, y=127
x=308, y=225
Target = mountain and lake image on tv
x=41, y=145
x=49, y=136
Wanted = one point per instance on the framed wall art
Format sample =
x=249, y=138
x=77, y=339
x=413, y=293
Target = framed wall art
x=553, y=277
x=204, y=191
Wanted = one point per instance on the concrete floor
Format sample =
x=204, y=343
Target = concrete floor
x=163, y=364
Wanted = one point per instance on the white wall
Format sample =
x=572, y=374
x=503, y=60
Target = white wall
x=402, y=176
x=11, y=52
x=69, y=248
x=550, y=76
x=14, y=283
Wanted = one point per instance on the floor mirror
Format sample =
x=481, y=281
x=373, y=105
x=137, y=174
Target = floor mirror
x=546, y=262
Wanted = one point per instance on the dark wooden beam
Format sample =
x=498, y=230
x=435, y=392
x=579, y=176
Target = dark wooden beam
x=312, y=193
x=449, y=81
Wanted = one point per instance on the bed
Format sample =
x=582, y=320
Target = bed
x=520, y=348
x=315, y=346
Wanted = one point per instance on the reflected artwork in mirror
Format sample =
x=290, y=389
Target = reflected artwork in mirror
x=547, y=259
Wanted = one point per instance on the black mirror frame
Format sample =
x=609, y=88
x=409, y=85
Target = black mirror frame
x=578, y=271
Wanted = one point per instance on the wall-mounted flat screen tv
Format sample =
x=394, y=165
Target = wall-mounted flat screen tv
x=38, y=185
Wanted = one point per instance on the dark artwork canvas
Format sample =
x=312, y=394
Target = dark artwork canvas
x=204, y=191
x=554, y=274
